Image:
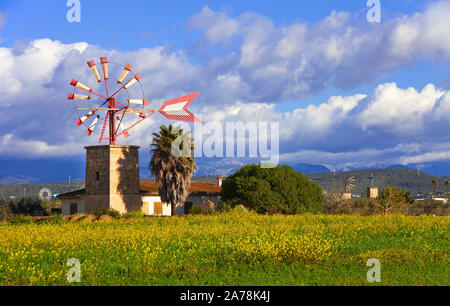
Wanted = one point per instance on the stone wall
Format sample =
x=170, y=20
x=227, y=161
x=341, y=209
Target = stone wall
x=112, y=178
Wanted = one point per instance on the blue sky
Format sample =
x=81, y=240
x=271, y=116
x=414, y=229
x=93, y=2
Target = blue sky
x=160, y=22
x=288, y=59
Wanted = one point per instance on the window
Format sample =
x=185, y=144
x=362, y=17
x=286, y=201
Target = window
x=97, y=176
x=73, y=208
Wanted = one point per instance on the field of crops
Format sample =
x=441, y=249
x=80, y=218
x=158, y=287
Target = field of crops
x=233, y=248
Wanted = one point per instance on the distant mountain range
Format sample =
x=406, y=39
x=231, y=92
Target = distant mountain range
x=62, y=170
x=407, y=179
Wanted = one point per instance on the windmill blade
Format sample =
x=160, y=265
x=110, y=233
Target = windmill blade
x=92, y=126
x=124, y=73
x=138, y=101
x=104, y=62
x=136, y=78
x=80, y=85
x=85, y=117
x=78, y=97
x=177, y=109
x=94, y=70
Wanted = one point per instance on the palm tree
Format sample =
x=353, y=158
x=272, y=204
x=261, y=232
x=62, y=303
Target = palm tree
x=435, y=184
x=172, y=164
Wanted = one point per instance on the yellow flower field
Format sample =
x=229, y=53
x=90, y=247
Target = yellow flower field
x=229, y=249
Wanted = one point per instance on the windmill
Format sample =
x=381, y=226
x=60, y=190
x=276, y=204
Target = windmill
x=372, y=191
x=112, y=171
x=349, y=184
x=45, y=193
x=124, y=107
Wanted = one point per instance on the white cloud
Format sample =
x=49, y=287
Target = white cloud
x=218, y=26
x=342, y=50
x=391, y=125
x=399, y=109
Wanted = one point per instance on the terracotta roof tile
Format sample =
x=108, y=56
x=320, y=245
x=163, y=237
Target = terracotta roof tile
x=150, y=188
x=196, y=187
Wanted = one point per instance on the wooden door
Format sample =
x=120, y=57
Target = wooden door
x=158, y=208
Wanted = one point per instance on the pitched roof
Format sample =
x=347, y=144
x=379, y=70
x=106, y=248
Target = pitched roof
x=196, y=188
x=72, y=194
x=150, y=188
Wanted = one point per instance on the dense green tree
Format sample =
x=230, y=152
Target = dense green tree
x=172, y=164
x=272, y=190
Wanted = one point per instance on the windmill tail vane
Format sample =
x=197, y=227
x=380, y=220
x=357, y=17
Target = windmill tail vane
x=114, y=110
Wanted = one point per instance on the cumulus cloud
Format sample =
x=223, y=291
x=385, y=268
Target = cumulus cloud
x=340, y=51
x=388, y=126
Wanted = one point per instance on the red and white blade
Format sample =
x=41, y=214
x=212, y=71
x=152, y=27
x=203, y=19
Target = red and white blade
x=138, y=101
x=92, y=126
x=78, y=97
x=94, y=70
x=84, y=118
x=177, y=109
x=80, y=85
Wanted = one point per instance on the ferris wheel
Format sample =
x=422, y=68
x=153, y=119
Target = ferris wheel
x=122, y=106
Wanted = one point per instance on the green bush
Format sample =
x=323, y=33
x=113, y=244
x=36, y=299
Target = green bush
x=272, y=190
x=54, y=219
x=106, y=211
x=135, y=214
x=21, y=219
x=196, y=210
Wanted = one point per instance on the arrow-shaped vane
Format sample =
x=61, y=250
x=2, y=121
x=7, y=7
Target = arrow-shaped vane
x=177, y=109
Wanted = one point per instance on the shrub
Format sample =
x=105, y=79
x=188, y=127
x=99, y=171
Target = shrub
x=21, y=219
x=134, y=214
x=196, y=210
x=106, y=211
x=54, y=219
x=272, y=190
x=392, y=199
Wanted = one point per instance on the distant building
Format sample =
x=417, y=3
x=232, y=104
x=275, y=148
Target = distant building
x=372, y=192
x=347, y=195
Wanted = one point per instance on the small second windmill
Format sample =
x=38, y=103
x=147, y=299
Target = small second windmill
x=122, y=108
x=349, y=185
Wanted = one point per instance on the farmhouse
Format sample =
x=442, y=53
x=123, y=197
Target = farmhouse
x=151, y=204
x=112, y=181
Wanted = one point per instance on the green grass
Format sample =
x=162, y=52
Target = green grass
x=229, y=249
